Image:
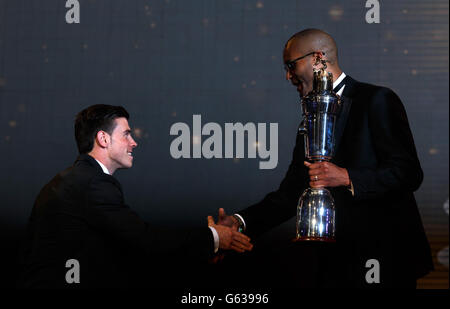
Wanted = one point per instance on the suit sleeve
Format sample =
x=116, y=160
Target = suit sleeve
x=280, y=205
x=110, y=216
x=398, y=167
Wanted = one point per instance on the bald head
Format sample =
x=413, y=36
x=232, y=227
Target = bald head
x=300, y=56
x=310, y=40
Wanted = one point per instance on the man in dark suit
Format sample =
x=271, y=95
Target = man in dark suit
x=372, y=179
x=81, y=215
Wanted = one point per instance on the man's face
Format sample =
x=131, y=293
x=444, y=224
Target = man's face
x=301, y=75
x=121, y=146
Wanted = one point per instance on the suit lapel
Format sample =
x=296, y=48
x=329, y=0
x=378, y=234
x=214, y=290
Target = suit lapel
x=342, y=120
x=346, y=100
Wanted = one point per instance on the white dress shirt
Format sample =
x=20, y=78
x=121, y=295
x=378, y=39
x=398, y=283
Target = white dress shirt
x=105, y=170
x=338, y=81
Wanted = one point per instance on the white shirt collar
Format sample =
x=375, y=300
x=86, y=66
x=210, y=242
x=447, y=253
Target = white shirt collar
x=337, y=81
x=105, y=170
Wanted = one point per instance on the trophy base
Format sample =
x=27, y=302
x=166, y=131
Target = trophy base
x=317, y=239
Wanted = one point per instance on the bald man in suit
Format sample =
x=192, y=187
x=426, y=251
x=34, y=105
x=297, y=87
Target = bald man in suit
x=372, y=178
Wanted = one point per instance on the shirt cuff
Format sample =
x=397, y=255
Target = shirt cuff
x=352, y=190
x=242, y=220
x=216, y=239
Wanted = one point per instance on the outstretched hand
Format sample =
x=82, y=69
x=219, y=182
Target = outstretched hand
x=230, y=239
x=226, y=220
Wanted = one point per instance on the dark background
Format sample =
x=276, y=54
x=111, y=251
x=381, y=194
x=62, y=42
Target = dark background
x=167, y=60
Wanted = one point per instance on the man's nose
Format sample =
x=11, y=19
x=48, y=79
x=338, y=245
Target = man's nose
x=133, y=143
x=288, y=75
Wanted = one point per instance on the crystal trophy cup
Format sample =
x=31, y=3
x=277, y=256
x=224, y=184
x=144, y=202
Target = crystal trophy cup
x=316, y=208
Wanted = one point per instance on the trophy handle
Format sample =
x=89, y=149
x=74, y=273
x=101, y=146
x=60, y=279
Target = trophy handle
x=302, y=128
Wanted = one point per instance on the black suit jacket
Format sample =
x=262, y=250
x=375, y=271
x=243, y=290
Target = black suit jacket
x=381, y=221
x=81, y=214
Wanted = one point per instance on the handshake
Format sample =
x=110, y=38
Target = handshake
x=229, y=237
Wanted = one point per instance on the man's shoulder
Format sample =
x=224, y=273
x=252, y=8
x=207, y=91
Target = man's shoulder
x=78, y=176
x=372, y=95
x=90, y=175
x=69, y=190
x=367, y=89
x=66, y=187
x=80, y=172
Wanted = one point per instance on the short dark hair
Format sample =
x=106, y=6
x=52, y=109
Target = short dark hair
x=95, y=118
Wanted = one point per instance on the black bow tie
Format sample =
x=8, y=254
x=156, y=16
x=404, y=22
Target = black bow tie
x=339, y=86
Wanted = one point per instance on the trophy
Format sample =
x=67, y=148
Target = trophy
x=321, y=107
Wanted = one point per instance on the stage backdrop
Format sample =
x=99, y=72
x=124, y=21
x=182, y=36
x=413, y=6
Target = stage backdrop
x=166, y=61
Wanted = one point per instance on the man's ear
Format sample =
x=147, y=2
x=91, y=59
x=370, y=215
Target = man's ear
x=102, y=139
